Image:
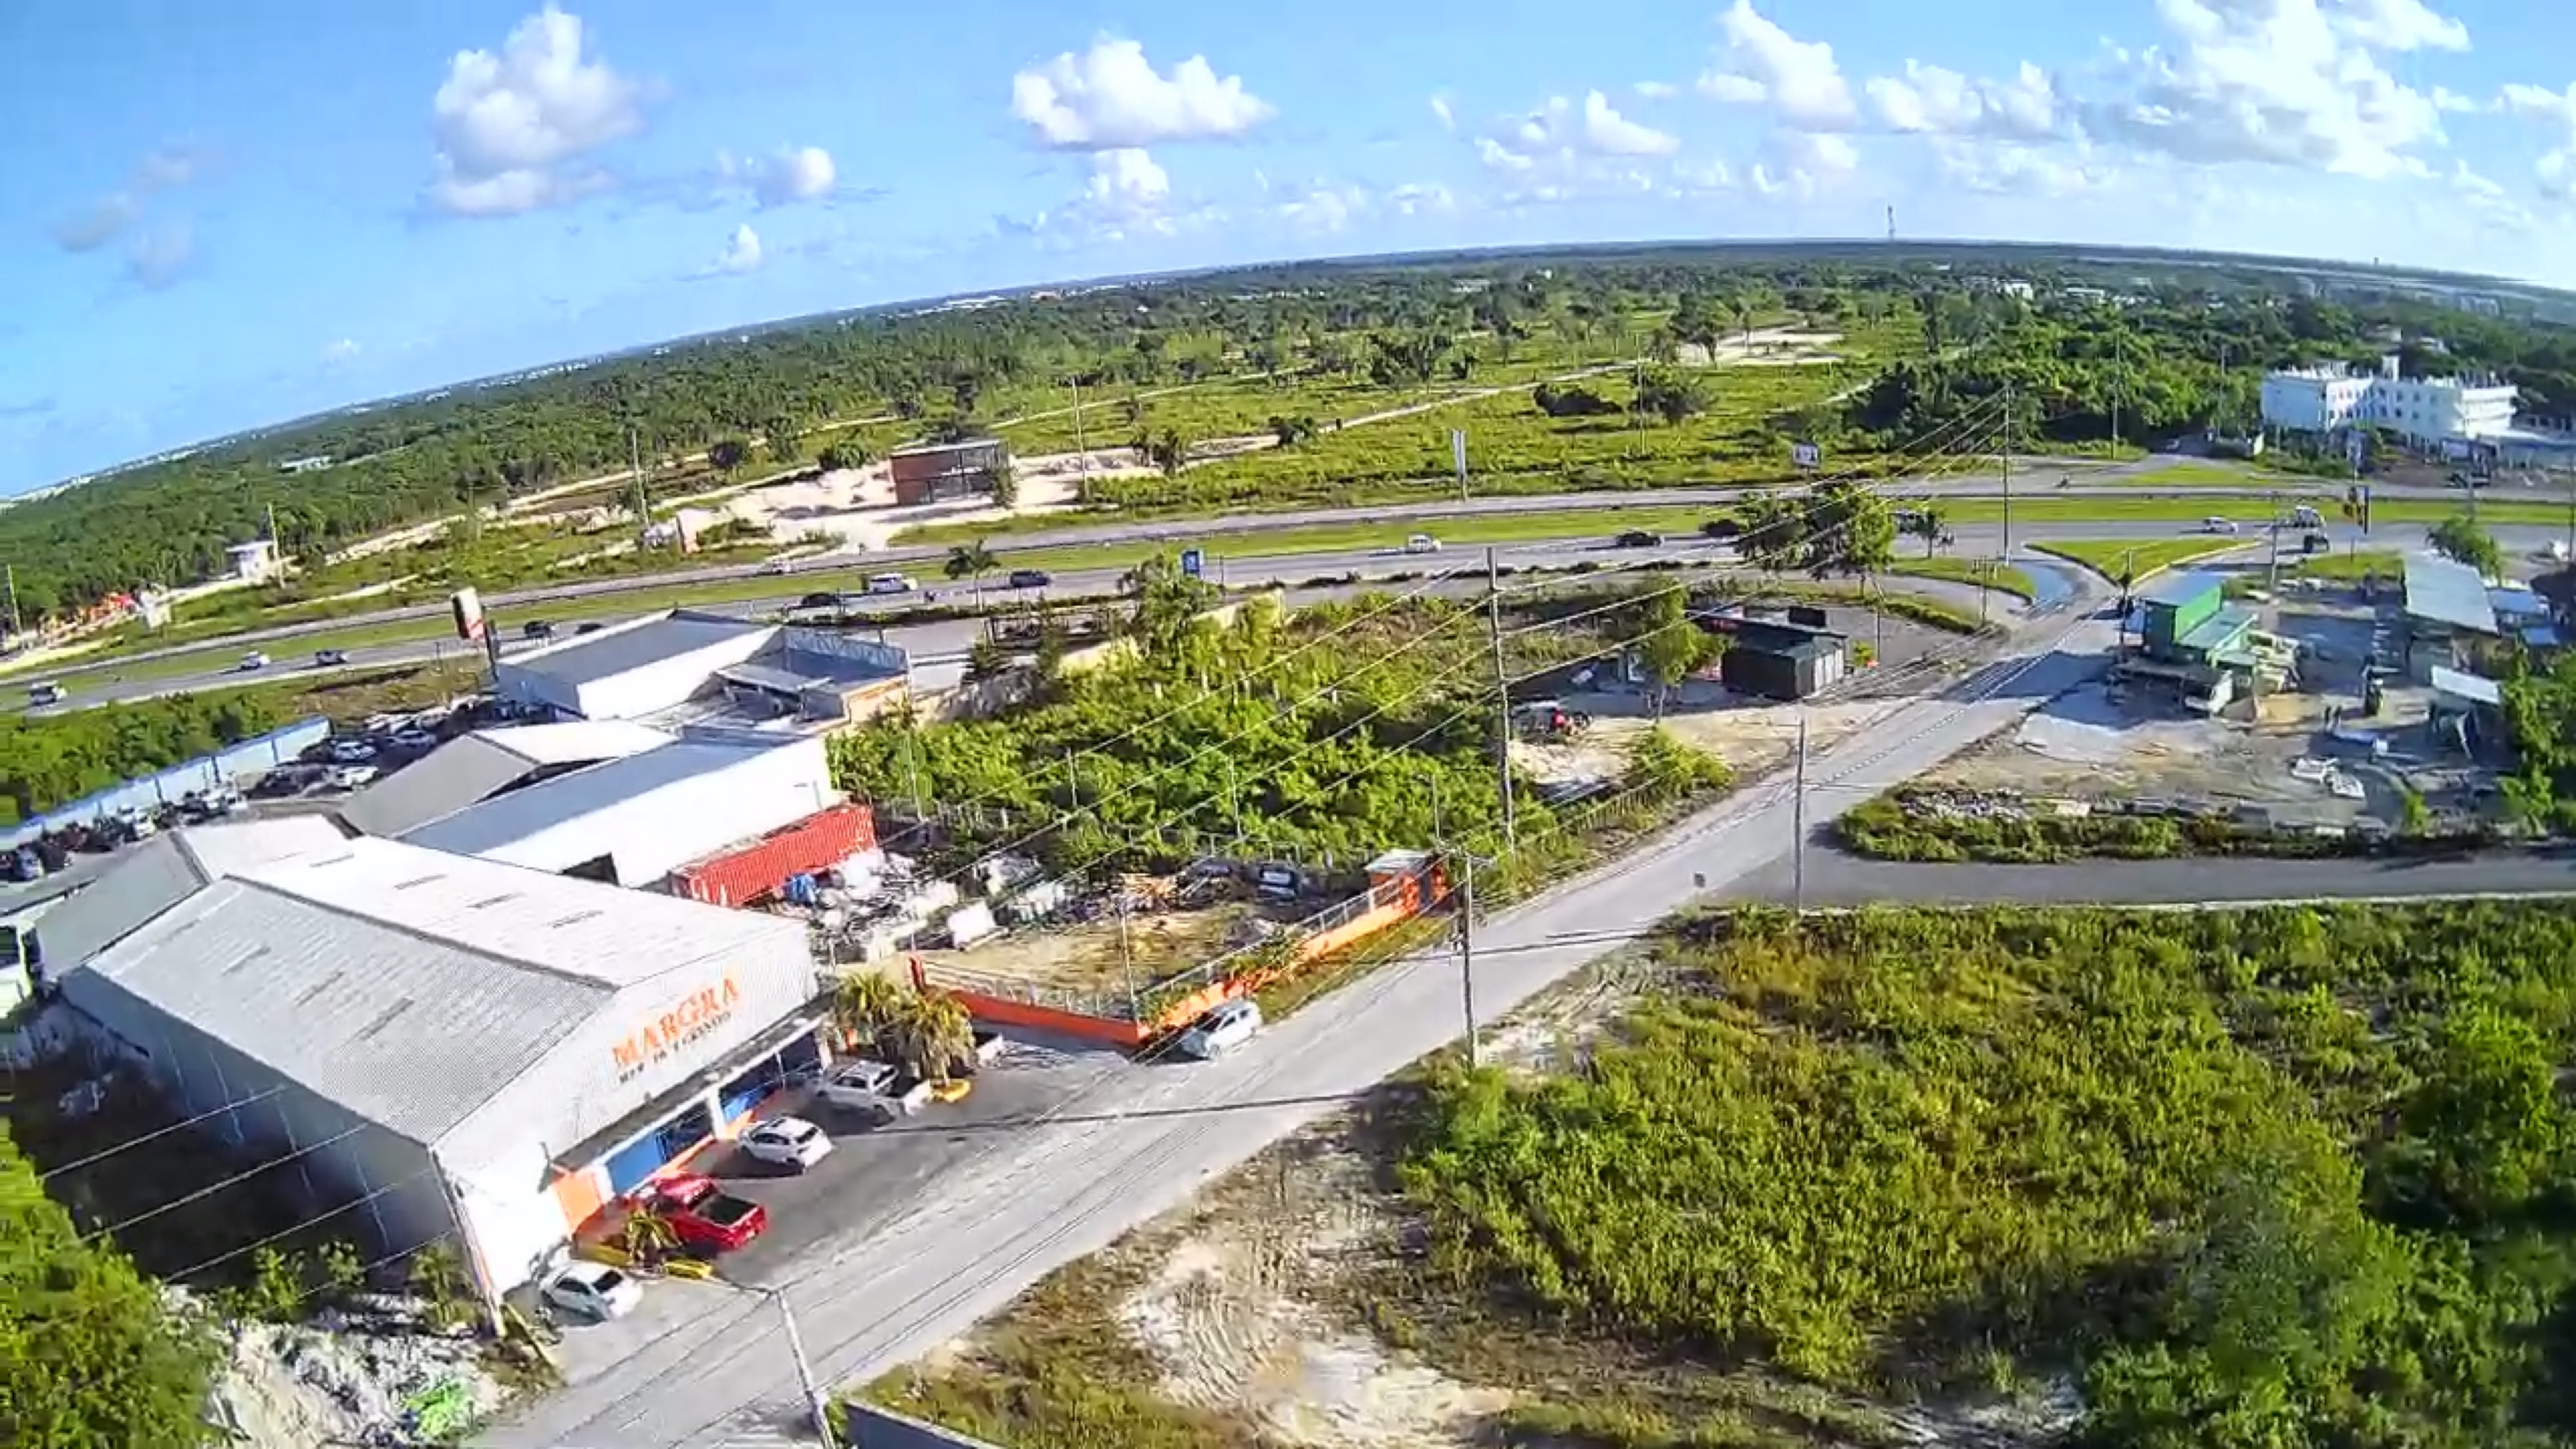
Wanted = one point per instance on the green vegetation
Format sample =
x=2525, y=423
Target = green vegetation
x=2353, y=567
x=55, y=759
x=1897, y=826
x=2460, y=539
x=2247, y=1179
x=89, y=1357
x=1976, y=573
x=2131, y=561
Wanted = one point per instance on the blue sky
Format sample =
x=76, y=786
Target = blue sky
x=218, y=216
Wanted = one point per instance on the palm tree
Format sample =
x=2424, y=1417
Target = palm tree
x=970, y=561
x=928, y=1032
x=647, y=1238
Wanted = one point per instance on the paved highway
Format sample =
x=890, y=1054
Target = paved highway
x=1068, y=1187
x=945, y=643
x=2040, y=476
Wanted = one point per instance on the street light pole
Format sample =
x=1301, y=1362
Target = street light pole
x=815, y=1401
x=1467, y=955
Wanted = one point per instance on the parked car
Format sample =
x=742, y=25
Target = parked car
x=253, y=660
x=352, y=752
x=1422, y=543
x=1030, y=578
x=413, y=739
x=1223, y=1029
x=705, y=1216
x=891, y=584
x=2218, y=525
x=330, y=658
x=872, y=1089
x=594, y=1291
x=352, y=777
x=789, y=1142
x=1640, y=538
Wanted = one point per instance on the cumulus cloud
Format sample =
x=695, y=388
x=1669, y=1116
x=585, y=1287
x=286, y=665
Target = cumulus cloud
x=103, y=219
x=1656, y=90
x=1928, y=100
x=797, y=173
x=1562, y=133
x=1801, y=164
x=161, y=256
x=741, y=253
x=513, y=130
x=1127, y=182
x=1763, y=64
x=343, y=350
x=1110, y=98
x=1608, y=133
x=1440, y=112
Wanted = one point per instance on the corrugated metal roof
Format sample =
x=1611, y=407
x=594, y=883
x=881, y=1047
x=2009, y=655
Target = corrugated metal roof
x=575, y=742
x=2476, y=687
x=408, y=985
x=498, y=822
x=590, y=658
x=150, y=878
x=2516, y=599
x=2448, y=593
x=448, y=779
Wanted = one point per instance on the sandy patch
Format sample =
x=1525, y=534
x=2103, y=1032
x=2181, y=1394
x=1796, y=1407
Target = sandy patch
x=1750, y=737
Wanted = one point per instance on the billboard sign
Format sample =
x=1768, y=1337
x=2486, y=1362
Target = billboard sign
x=1806, y=455
x=465, y=606
x=1193, y=563
x=1458, y=450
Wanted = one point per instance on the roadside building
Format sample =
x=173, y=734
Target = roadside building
x=2429, y=412
x=2189, y=638
x=1777, y=661
x=633, y=821
x=2450, y=617
x=473, y=768
x=686, y=667
x=449, y=1047
x=948, y=472
x=254, y=562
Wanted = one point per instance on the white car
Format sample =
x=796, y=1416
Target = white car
x=1422, y=543
x=891, y=584
x=414, y=739
x=594, y=1291
x=1222, y=1030
x=352, y=752
x=864, y=1087
x=787, y=1142
x=2218, y=525
x=253, y=660
x=351, y=777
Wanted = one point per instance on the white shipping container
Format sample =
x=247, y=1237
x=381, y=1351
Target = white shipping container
x=970, y=924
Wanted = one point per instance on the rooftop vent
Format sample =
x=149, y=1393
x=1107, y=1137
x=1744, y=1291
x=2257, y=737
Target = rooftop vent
x=384, y=1018
x=500, y=900
x=248, y=958
x=575, y=919
x=419, y=881
x=309, y=994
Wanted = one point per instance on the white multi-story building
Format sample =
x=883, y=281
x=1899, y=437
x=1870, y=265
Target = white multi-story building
x=2426, y=411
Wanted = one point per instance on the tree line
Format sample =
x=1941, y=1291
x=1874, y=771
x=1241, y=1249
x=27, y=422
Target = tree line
x=48, y=761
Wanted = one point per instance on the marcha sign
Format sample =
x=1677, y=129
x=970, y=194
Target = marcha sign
x=689, y=1019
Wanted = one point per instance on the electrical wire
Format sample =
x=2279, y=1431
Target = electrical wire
x=104, y=1153
x=210, y=1190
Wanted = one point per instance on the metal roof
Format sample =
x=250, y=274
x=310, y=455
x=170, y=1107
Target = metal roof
x=473, y=768
x=147, y=879
x=407, y=985
x=2473, y=687
x=504, y=819
x=590, y=658
x=2173, y=590
x=2448, y=593
x=2517, y=599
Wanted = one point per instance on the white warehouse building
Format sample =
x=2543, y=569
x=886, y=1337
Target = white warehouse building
x=633, y=821
x=449, y=1048
x=686, y=667
x=2425, y=411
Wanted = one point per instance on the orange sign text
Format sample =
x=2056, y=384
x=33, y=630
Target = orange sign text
x=690, y=1018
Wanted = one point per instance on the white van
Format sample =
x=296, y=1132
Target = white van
x=891, y=584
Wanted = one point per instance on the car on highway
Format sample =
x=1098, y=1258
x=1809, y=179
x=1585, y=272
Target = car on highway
x=590, y=628
x=538, y=629
x=1223, y=1029
x=1638, y=538
x=253, y=661
x=1422, y=543
x=1030, y=578
x=594, y=1291
x=330, y=658
x=891, y=584
x=2218, y=525
x=819, y=600
x=774, y=568
x=789, y=1142
x=40, y=695
x=705, y=1216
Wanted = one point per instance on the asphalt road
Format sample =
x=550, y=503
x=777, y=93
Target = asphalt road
x=946, y=643
x=2039, y=480
x=1149, y=1137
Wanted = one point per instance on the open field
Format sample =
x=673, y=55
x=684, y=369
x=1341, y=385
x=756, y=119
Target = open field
x=1986, y=573
x=2137, y=559
x=2047, y=1170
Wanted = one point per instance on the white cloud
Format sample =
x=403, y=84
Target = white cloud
x=509, y=127
x=1127, y=182
x=1607, y=133
x=1110, y=98
x=1501, y=157
x=2280, y=82
x=742, y=251
x=94, y=225
x=2397, y=25
x=1440, y=111
x=161, y=256
x=2538, y=103
x=1766, y=65
x=1324, y=210
x=1656, y=90
x=340, y=351
x=1932, y=101
x=2006, y=168
x=1417, y=198
x=797, y=173
x=1800, y=164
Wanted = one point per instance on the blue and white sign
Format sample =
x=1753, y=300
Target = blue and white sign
x=1193, y=562
x=2354, y=450
x=1806, y=455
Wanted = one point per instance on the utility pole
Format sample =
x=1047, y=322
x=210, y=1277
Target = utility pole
x=1467, y=954
x=1081, y=447
x=1502, y=696
x=814, y=1397
x=1798, y=822
x=2272, y=571
x=9, y=572
x=635, y=470
x=2006, y=555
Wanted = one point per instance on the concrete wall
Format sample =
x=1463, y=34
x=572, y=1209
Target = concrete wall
x=250, y=757
x=875, y=1428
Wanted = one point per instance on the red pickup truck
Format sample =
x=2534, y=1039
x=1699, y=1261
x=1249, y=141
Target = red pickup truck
x=706, y=1216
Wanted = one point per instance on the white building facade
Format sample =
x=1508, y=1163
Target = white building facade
x=448, y=1048
x=2424, y=411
